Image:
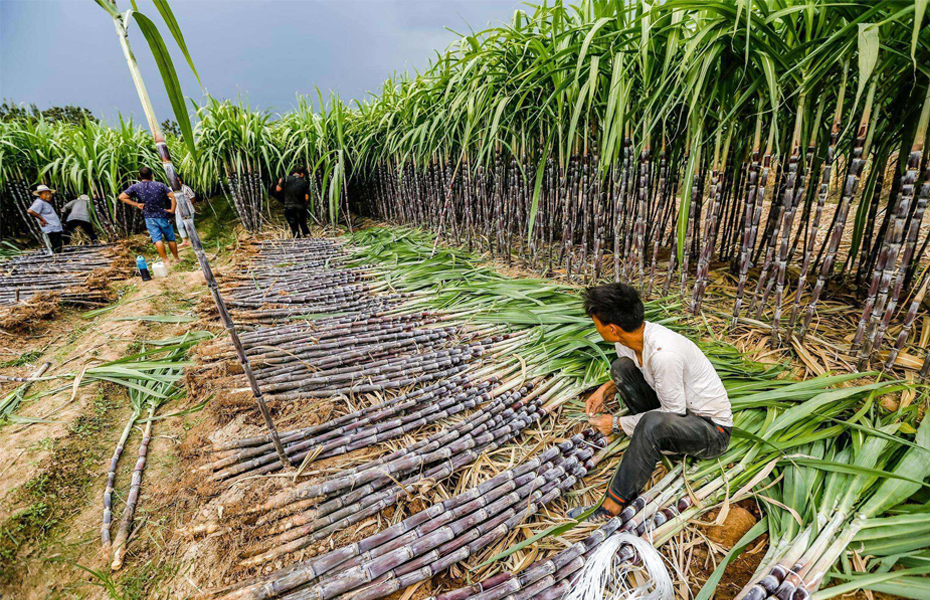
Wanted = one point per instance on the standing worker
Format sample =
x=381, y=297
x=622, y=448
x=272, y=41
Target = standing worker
x=177, y=214
x=296, y=198
x=43, y=210
x=157, y=202
x=677, y=403
x=78, y=217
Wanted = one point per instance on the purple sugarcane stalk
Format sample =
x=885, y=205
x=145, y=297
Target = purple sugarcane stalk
x=793, y=188
x=876, y=334
x=836, y=235
x=751, y=218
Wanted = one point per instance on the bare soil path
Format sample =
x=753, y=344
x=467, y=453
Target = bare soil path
x=53, y=470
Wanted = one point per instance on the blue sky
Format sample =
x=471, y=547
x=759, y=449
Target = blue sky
x=56, y=52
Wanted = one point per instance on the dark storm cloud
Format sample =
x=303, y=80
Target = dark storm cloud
x=56, y=52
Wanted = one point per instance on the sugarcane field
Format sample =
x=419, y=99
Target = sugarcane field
x=449, y=300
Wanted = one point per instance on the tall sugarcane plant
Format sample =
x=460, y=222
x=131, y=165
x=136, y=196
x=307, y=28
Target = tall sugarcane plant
x=550, y=143
x=237, y=141
x=121, y=21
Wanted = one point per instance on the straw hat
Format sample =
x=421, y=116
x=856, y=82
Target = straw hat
x=42, y=188
x=84, y=197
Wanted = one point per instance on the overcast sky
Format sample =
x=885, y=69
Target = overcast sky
x=57, y=52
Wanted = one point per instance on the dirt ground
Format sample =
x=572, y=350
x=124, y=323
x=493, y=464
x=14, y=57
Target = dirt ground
x=54, y=468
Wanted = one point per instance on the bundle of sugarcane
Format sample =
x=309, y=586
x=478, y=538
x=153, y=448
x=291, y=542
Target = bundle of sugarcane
x=329, y=334
x=357, y=429
x=456, y=388
x=281, y=286
x=852, y=506
x=294, y=520
x=388, y=352
x=656, y=516
x=434, y=539
x=28, y=274
x=378, y=422
x=313, y=511
x=371, y=337
x=367, y=304
x=366, y=376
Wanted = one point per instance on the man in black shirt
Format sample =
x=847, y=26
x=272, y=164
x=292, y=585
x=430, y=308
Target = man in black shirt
x=296, y=197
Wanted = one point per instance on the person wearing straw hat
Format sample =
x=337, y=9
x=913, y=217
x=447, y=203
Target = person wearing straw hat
x=44, y=212
x=675, y=400
x=78, y=211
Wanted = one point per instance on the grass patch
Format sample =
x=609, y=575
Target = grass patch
x=23, y=359
x=75, y=336
x=136, y=583
x=172, y=319
x=216, y=222
x=60, y=488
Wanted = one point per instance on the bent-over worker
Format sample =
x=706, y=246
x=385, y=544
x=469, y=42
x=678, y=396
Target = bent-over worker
x=676, y=401
x=78, y=211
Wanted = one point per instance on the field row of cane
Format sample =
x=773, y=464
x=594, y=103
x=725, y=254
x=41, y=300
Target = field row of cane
x=25, y=275
x=440, y=402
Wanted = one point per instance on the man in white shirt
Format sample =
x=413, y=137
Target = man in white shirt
x=182, y=231
x=676, y=401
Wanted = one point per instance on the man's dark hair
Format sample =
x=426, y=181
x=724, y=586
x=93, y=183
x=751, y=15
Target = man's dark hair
x=615, y=304
x=299, y=171
x=145, y=173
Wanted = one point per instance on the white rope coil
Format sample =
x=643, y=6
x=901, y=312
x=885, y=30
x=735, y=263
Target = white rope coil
x=605, y=578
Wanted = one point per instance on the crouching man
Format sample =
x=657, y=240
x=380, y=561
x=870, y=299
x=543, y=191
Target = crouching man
x=676, y=401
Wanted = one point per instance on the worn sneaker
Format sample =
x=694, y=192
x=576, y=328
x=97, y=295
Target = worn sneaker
x=601, y=514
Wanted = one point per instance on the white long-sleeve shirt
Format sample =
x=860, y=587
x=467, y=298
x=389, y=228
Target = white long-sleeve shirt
x=682, y=376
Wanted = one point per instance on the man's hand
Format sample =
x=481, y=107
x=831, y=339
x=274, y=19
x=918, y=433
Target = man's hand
x=596, y=400
x=603, y=423
x=43, y=222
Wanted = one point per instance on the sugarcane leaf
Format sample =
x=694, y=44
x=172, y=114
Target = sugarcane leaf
x=905, y=539
x=685, y=204
x=129, y=383
x=587, y=43
x=169, y=77
x=920, y=7
x=166, y=13
x=537, y=186
x=849, y=469
x=903, y=584
x=109, y=7
x=868, y=41
x=707, y=591
x=187, y=411
x=916, y=463
x=819, y=402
